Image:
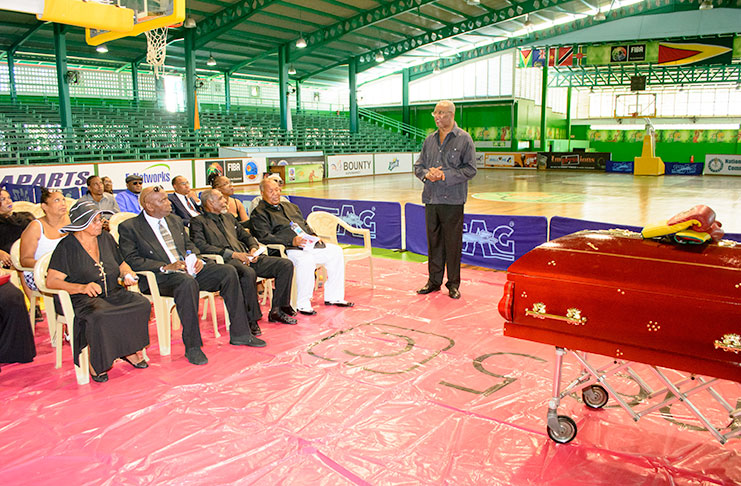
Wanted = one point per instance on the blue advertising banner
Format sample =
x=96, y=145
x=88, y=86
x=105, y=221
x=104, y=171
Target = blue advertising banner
x=683, y=168
x=491, y=241
x=21, y=192
x=561, y=226
x=383, y=219
x=616, y=166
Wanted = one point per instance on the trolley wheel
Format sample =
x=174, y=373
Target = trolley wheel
x=567, y=430
x=595, y=396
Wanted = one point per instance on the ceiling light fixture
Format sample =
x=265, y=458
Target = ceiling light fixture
x=189, y=23
x=301, y=42
x=706, y=5
x=102, y=48
x=379, y=56
x=291, y=70
x=599, y=16
x=528, y=23
x=211, y=61
x=436, y=69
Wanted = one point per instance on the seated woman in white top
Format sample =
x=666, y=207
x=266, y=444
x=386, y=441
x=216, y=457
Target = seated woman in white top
x=43, y=235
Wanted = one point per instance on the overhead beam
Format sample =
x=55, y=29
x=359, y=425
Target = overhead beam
x=14, y=47
x=225, y=20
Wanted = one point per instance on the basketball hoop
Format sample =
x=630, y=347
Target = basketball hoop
x=156, y=49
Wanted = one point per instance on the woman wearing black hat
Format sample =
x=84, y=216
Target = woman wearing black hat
x=113, y=321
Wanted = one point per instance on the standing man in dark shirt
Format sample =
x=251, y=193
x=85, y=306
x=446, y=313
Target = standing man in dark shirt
x=446, y=163
x=217, y=231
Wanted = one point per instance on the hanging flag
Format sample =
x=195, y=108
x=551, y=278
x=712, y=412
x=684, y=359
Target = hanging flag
x=539, y=57
x=525, y=58
x=196, y=118
x=580, y=57
x=700, y=51
x=561, y=56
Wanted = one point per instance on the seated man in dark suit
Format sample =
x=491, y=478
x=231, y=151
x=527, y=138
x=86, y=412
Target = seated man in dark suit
x=184, y=202
x=276, y=221
x=155, y=241
x=217, y=231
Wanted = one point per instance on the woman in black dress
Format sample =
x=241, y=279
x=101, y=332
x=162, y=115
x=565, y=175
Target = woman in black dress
x=12, y=225
x=112, y=320
x=16, y=338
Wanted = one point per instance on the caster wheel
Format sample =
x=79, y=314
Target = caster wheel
x=567, y=430
x=595, y=396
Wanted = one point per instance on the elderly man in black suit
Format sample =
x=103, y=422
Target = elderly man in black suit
x=156, y=241
x=217, y=231
x=184, y=202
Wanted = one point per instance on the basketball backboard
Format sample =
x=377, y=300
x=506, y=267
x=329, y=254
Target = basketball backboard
x=635, y=105
x=148, y=15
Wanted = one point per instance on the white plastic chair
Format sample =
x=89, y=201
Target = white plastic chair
x=29, y=207
x=15, y=257
x=57, y=321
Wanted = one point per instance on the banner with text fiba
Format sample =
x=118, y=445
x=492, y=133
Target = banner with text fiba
x=491, y=241
x=382, y=219
x=350, y=165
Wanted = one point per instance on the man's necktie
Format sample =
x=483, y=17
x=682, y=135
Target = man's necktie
x=167, y=236
x=234, y=242
x=190, y=205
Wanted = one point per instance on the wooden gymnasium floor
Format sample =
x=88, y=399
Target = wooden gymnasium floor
x=609, y=198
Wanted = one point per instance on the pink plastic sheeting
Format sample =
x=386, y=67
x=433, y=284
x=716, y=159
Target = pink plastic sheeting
x=400, y=389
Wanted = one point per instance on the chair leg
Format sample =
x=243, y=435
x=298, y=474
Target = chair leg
x=227, y=323
x=205, y=309
x=58, y=332
x=370, y=265
x=212, y=303
x=83, y=371
x=161, y=317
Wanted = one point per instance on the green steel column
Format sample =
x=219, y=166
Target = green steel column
x=353, y=79
x=227, y=92
x=568, y=117
x=283, y=85
x=543, y=97
x=60, y=51
x=135, y=81
x=513, y=145
x=298, y=96
x=405, y=95
x=11, y=76
x=190, y=76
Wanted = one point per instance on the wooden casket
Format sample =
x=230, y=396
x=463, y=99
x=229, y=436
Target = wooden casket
x=615, y=294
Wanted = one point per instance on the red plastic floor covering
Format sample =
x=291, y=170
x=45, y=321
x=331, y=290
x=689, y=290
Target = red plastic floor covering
x=400, y=389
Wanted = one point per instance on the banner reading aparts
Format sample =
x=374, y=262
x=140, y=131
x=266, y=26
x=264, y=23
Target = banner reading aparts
x=491, y=241
x=382, y=219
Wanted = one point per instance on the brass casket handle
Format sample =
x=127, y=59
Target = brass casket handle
x=730, y=343
x=573, y=315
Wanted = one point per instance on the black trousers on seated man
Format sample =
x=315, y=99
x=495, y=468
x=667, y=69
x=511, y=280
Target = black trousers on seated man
x=281, y=269
x=444, y=223
x=185, y=290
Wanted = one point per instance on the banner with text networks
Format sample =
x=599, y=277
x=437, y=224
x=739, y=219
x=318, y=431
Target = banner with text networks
x=561, y=226
x=383, y=219
x=491, y=241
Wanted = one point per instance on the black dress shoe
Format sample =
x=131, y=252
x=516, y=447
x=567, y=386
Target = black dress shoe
x=196, y=356
x=247, y=340
x=140, y=365
x=428, y=288
x=282, y=317
x=100, y=377
x=288, y=310
x=340, y=304
x=255, y=328
x=311, y=312
x=454, y=293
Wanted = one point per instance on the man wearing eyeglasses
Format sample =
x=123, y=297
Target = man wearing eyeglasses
x=156, y=241
x=128, y=200
x=446, y=163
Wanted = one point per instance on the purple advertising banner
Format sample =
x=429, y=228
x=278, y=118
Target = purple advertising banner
x=22, y=192
x=383, y=219
x=491, y=241
x=561, y=226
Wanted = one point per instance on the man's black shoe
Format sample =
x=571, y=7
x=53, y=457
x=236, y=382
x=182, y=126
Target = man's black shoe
x=255, y=328
x=247, y=340
x=311, y=312
x=282, y=317
x=288, y=310
x=195, y=356
x=342, y=303
x=454, y=293
x=428, y=288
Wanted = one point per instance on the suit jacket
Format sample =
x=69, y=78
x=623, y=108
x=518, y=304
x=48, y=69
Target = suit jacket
x=179, y=209
x=142, y=250
x=272, y=224
x=209, y=238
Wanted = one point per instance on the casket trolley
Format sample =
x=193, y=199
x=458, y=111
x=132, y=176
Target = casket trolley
x=676, y=309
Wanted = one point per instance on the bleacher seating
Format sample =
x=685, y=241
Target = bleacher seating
x=31, y=133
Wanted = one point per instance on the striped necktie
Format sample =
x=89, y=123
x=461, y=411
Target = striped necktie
x=167, y=236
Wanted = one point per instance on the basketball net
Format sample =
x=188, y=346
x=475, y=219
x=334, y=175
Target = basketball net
x=156, y=49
